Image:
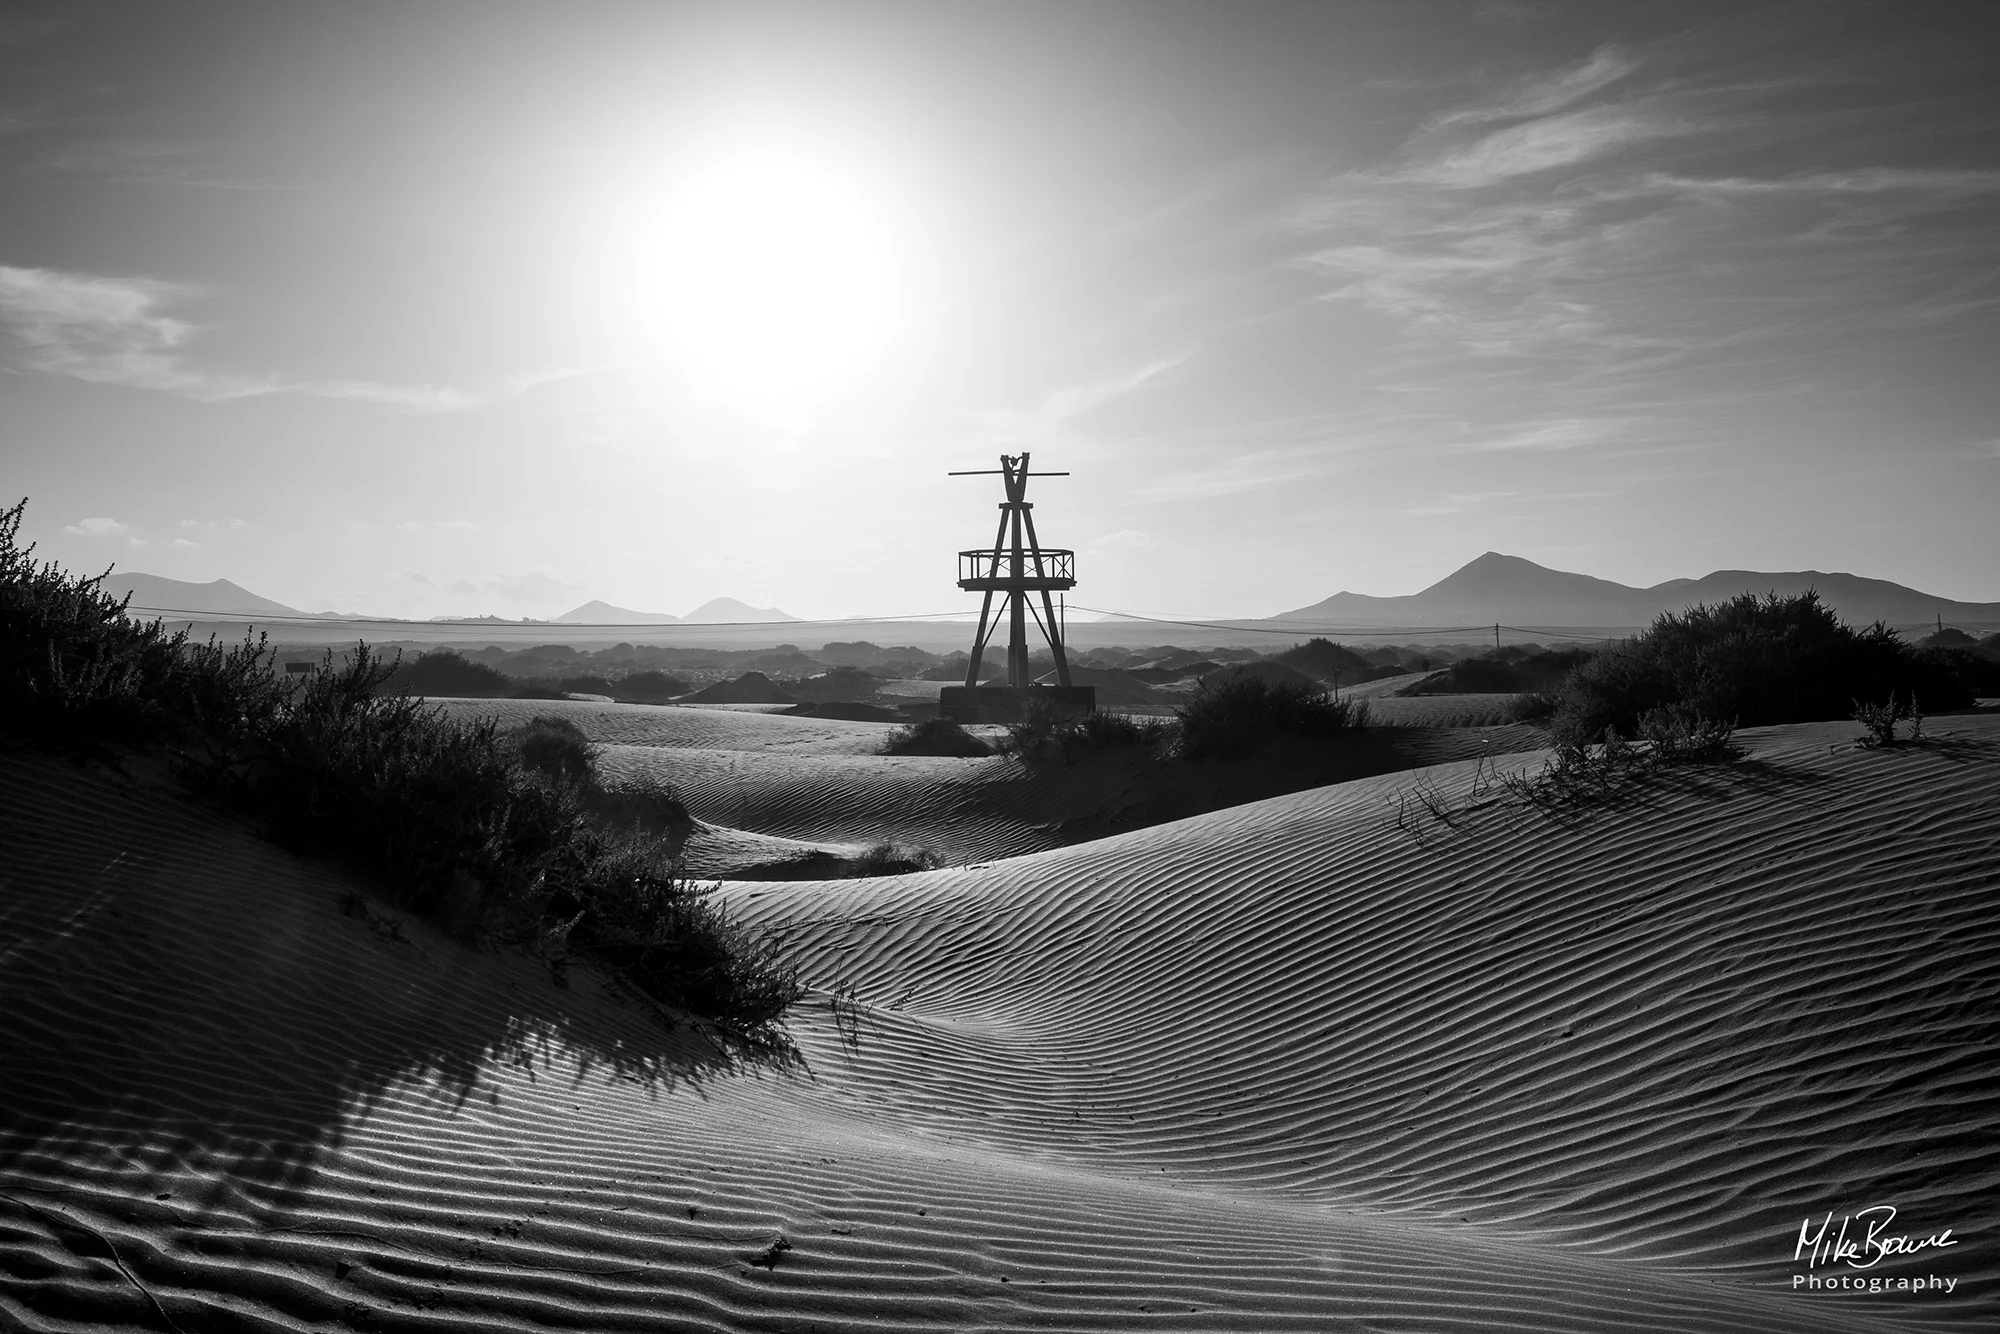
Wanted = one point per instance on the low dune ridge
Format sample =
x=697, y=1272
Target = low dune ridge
x=1278, y=1066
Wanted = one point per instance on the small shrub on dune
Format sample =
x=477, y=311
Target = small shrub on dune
x=1043, y=732
x=448, y=672
x=1678, y=734
x=894, y=859
x=935, y=736
x=557, y=749
x=648, y=687
x=1528, y=707
x=1878, y=722
x=1231, y=714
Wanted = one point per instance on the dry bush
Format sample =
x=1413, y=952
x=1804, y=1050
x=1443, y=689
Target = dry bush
x=935, y=736
x=451, y=821
x=1756, y=660
x=1232, y=714
x=1879, y=721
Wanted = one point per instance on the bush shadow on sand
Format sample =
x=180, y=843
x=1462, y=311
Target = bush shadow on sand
x=187, y=1001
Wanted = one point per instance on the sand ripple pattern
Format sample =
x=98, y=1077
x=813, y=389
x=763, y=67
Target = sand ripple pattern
x=1276, y=1067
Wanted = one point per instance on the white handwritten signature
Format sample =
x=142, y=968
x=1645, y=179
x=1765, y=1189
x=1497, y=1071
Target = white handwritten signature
x=1870, y=1248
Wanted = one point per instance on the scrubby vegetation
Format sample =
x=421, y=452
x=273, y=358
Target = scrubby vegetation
x=1049, y=733
x=648, y=687
x=1231, y=714
x=1879, y=721
x=1507, y=672
x=490, y=837
x=935, y=736
x=1751, y=661
x=894, y=859
x=447, y=672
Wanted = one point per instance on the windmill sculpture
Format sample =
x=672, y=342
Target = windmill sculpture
x=1016, y=566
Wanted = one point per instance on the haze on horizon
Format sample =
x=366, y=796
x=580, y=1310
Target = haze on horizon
x=455, y=308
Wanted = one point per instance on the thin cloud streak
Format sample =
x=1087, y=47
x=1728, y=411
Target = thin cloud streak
x=114, y=331
x=1542, y=94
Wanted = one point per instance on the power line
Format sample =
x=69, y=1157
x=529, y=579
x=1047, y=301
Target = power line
x=1296, y=630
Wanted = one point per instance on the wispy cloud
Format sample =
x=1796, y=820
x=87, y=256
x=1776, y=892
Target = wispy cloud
x=1125, y=539
x=1543, y=93
x=534, y=586
x=116, y=331
x=1456, y=503
x=105, y=527
x=1547, y=436
x=1539, y=146
x=1061, y=406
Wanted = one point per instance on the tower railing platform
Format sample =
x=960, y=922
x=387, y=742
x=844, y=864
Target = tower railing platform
x=1048, y=568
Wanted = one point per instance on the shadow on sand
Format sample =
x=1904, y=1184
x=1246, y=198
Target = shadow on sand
x=185, y=1003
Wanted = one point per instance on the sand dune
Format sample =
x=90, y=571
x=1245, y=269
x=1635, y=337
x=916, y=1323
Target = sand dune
x=696, y=728
x=1278, y=1066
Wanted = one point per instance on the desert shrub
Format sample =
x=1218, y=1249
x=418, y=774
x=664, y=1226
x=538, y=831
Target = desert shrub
x=1044, y=731
x=557, y=749
x=538, y=690
x=642, y=687
x=1508, y=672
x=1231, y=714
x=894, y=859
x=1326, y=660
x=1677, y=734
x=1755, y=660
x=447, y=672
x=76, y=672
x=453, y=823
x=1973, y=672
x=1529, y=706
x=935, y=736
x=1878, y=721
x=585, y=685
x=846, y=684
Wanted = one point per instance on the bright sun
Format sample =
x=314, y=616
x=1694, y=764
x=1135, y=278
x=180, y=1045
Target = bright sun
x=784, y=272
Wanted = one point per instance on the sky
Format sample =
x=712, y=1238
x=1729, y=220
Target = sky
x=428, y=309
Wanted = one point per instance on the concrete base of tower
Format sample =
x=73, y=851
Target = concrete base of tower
x=1004, y=704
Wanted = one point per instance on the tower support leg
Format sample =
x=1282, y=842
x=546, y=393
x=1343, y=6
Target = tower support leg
x=979, y=640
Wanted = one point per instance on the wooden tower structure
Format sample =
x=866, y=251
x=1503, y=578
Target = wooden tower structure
x=1018, y=568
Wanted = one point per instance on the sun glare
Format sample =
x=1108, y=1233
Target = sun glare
x=781, y=270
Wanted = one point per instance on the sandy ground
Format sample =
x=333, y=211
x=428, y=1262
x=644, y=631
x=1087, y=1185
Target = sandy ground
x=768, y=789
x=1295, y=1064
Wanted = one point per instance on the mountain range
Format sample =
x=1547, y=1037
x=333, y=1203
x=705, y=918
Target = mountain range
x=715, y=611
x=1495, y=587
x=155, y=593
x=152, y=593
x=1518, y=592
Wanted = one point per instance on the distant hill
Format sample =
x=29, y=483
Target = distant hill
x=153, y=592
x=1515, y=591
x=603, y=613
x=727, y=611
